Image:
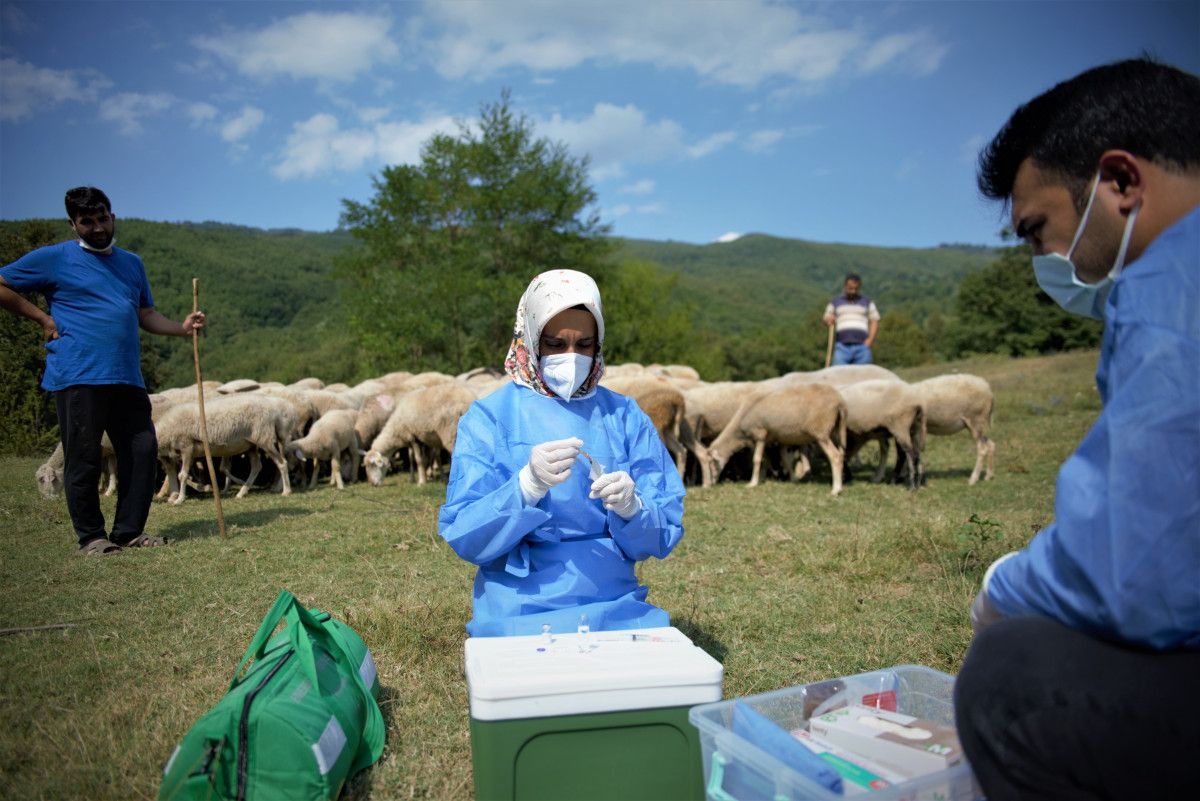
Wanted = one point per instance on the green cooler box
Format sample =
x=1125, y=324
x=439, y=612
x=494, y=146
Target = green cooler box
x=602, y=715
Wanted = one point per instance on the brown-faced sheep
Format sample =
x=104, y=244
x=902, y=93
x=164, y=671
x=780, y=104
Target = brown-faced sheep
x=798, y=414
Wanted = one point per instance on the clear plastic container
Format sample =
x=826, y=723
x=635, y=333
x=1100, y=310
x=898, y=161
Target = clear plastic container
x=736, y=770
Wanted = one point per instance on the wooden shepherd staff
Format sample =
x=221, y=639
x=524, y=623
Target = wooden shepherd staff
x=828, y=348
x=212, y=474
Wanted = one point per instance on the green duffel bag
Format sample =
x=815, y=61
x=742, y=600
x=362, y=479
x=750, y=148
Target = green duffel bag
x=302, y=719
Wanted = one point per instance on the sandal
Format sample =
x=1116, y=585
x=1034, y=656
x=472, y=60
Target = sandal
x=98, y=547
x=145, y=541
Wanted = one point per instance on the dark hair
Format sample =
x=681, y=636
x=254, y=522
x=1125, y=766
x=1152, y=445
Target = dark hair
x=1150, y=109
x=85, y=199
x=852, y=277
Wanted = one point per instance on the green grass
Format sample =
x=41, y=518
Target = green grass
x=782, y=583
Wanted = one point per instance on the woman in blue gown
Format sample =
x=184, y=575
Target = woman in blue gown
x=558, y=486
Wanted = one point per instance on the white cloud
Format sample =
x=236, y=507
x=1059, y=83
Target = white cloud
x=320, y=145
x=334, y=47
x=200, y=113
x=26, y=89
x=735, y=43
x=650, y=208
x=127, y=110
x=614, y=136
x=762, y=141
x=642, y=187
x=711, y=144
x=243, y=124
x=619, y=210
x=732, y=236
x=917, y=53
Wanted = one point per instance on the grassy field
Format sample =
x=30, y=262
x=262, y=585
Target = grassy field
x=782, y=583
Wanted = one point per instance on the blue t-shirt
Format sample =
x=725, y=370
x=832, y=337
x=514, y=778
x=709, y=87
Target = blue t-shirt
x=94, y=301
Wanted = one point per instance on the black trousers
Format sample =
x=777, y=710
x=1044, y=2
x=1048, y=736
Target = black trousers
x=85, y=413
x=1046, y=712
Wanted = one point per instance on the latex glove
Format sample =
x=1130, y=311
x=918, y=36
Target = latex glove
x=549, y=465
x=983, y=611
x=618, y=493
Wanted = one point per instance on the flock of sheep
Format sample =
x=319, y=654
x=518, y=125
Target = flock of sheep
x=378, y=423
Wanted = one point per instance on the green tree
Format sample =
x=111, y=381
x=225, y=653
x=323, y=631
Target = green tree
x=447, y=246
x=1001, y=309
x=646, y=322
x=901, y=342
x=27, y=416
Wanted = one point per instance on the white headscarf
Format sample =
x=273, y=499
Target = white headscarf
x=547, y=295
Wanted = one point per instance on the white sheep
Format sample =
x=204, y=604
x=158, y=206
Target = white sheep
x=373, y=415
x=331, y=436
x=957, y=401
x=50, y=473
x=796, y=414
x=880, y=409
x=236, y=424
x=424, y=417
x=307, y=383
x=843, y=374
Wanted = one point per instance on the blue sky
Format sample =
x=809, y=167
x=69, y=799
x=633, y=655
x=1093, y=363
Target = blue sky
x=837, y=122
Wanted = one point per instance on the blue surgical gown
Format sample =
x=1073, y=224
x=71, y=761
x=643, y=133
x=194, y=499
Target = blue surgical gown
x=1122, y=558
x=567, y=555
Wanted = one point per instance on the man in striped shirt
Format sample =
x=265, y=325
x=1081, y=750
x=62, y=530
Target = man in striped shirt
x=856, y=320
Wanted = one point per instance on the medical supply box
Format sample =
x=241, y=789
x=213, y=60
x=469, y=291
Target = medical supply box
x=598, y=715
x=737, y=769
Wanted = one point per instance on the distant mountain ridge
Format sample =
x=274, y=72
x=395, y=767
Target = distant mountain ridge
x=761, y=279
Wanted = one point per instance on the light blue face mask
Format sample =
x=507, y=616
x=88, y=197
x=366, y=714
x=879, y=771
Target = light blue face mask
x=1056, y=272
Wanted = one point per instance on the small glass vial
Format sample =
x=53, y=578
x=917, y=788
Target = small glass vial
x=583, y=631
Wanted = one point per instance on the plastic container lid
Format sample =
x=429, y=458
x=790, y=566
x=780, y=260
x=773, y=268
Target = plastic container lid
x=510, y=678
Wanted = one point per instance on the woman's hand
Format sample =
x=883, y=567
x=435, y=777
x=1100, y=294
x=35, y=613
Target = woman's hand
x=549, y=465
x=618, y=493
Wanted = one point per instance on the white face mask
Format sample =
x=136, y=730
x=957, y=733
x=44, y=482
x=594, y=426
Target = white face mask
x=563, y=373
x=1056, y=272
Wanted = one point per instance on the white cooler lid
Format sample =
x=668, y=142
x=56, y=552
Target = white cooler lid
x=511, y=678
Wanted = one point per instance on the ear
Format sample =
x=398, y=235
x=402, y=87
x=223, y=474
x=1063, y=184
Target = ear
x=1122, y=170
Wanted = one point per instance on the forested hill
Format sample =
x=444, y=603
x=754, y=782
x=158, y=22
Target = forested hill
x=275, y=309
x=761, y=280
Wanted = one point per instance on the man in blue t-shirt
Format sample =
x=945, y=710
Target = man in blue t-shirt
x=99, y=297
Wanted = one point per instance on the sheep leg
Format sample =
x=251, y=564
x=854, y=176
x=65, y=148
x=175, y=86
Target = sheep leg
x=803, y=466
x=884, y=445
x=316, y=469
x=759, y=447
x=905, y=445
x=837, y=460
x=991, y=459
x=185, y=465
x=688, y=439
x=355, y=462
x=275, y=454
x=110, y=471
x=255, y=466
x=980, y=450
x=335, y=471
x=419, y=460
